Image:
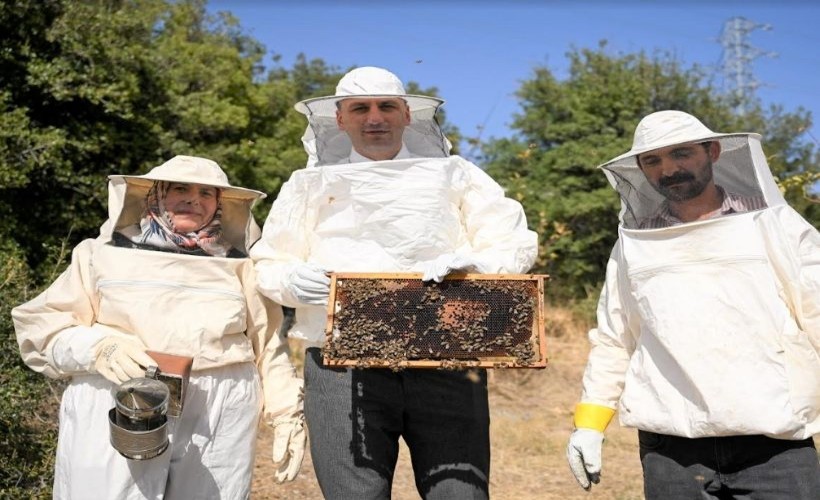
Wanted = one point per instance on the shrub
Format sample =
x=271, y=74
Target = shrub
x=28, y=400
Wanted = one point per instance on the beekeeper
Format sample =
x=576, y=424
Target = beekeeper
x=708, y=324
x=381, y=194
x=169, y=273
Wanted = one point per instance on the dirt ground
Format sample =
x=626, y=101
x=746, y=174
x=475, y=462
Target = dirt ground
x=531, y=413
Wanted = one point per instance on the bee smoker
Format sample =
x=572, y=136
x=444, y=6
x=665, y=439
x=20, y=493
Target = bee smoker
x=138, y=422
x=174, y=371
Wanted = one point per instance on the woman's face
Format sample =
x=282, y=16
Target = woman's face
x=190, y=206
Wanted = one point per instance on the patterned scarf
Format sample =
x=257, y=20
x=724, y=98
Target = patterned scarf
x=157, y=228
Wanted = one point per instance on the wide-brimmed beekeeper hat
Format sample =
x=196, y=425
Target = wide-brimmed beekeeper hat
x=741, y=169
x=192, y=170
x=127, y=193
x=367, y=81
x=326, y=144
x=667, y=128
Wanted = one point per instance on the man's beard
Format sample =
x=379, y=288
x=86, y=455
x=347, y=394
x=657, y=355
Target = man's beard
x=683, y=186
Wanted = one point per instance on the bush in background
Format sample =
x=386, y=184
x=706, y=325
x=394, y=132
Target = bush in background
x=28, y=400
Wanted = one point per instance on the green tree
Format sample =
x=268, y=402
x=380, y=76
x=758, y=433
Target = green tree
x=90, y=89
x=94, y=88
x=28, y=404
x=568, y=127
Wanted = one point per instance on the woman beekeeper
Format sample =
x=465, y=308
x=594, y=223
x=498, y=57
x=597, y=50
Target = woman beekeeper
x=168, y=273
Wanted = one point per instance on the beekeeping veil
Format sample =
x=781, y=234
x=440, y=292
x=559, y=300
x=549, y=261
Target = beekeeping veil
x=326, y=144
x=127, y=193
x=741, y=168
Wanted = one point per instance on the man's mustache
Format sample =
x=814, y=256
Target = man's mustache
x=675, y=179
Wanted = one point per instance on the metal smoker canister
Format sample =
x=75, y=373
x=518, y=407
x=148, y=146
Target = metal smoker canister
x=138, y=422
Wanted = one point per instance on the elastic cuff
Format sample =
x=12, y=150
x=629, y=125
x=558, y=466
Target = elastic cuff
x=590, y=416
x=72, y=349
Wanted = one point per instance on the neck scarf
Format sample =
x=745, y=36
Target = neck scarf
x=157, y=228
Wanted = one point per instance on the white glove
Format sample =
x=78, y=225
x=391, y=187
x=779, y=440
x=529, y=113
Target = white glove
x=120, y=360
x=449, y=262
x=289, y=440
x=309, y=284
x=584, y=456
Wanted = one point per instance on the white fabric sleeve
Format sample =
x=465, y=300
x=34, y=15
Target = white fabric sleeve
x=281, y=386
x=283, y=245
x=794, y=252
x=496, y=226
x=809, y=251
x=68, y=302
x=613, y=340
x=71, y=350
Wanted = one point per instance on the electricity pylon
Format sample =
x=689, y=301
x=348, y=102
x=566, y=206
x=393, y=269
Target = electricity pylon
x=736, y=60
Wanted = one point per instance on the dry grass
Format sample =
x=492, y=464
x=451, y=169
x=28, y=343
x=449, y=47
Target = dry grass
x=531, y=412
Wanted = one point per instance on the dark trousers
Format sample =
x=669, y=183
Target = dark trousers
x=733, y=467
x=356, y=416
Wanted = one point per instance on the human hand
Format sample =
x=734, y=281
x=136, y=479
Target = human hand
x=447, y=263
x=309, y=284
x=584, y=456
x=119, y=359
x=289, y=440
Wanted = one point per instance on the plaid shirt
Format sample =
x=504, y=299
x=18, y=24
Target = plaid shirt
x=732, y=204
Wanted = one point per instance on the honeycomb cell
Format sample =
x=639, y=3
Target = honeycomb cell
x=399, y=321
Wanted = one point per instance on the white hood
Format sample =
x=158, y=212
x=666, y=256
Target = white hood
x=326, y=144
x=741, y=170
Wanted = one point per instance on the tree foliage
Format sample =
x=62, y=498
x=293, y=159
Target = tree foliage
x=27, y=402
x=94, y=88
x=568, y=127
x=90, y=89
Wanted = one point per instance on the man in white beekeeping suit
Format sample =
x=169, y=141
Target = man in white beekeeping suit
x=708, y=324
x=382, y=194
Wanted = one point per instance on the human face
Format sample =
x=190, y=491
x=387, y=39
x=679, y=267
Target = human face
x=681, y=172
x=190, y=206
x=374, y=125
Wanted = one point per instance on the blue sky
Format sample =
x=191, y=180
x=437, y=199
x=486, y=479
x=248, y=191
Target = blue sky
x=478, y=52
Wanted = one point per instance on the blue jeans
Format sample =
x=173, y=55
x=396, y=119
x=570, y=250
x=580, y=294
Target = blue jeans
x=356, y=416
x=733, y=467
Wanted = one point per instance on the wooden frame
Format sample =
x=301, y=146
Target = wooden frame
x=403, y=351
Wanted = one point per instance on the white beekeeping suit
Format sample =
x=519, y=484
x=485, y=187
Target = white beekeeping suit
x=201, y=306
x=744, y=288
x=708, y=328
x=381, y=194
x=344, y=213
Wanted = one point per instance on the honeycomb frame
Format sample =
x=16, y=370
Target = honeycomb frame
x=397, y=321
